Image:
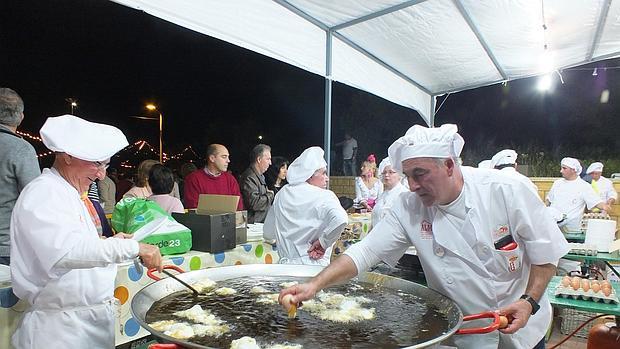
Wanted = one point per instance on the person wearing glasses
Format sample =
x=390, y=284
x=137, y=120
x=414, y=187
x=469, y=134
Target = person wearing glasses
x=60, y=265
x=392, y=187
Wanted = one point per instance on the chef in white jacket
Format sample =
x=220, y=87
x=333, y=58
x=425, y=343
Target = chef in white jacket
x=392, y=187
x=59, y=264
x=506, y=161
x=305, y=218
x=483, y=239
x=601, y=185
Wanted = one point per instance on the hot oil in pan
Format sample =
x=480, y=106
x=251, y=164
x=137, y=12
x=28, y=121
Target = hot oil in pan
x=400, y=319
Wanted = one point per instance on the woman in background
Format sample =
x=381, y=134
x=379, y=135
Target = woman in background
x=161, y=182
x=275, y=177
x=367, y=185
x=392, y=188
x=141, y=189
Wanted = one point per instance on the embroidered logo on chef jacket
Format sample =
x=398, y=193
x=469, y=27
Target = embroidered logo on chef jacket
x=426, y=230
x=500, y=232
x=513, y=263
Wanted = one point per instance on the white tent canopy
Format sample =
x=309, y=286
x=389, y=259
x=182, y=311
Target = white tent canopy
x=408, y=52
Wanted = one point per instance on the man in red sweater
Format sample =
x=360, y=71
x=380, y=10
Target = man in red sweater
x=213, y=179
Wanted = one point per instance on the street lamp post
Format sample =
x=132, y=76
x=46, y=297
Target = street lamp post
x=152, y=107
x=72, y=103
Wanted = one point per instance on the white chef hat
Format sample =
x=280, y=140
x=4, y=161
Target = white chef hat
x=82, y=139
x=485, y=164
x=595, y=167
x=504, y=157
x=302, y=168
x=572, y=163
x=424, y=142
x=383, y=164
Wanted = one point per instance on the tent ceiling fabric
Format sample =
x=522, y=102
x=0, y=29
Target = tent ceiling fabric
x=408, y=52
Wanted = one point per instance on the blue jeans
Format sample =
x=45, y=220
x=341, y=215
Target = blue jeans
x=5, y=260
x=348, y=167
x=541, y=344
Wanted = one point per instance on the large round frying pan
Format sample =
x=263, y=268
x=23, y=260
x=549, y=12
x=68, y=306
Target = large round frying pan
x=150, y=294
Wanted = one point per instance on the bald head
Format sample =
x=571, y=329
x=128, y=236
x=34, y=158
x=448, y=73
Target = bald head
x=218, y=158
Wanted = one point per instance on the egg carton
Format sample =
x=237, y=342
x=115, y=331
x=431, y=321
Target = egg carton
x=569, y=292
x=583, y=249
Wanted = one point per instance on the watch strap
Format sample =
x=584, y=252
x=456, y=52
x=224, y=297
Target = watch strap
x=533, y=303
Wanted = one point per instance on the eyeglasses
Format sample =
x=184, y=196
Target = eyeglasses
x=385, y=173
x=101, y=165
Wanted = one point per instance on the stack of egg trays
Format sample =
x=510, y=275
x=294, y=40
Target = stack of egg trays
x=582, y=249
x=569, y=292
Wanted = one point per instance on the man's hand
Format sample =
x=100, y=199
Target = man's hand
x=300, y=293
x=122, y=236
x=519, y=312
x=316, y=251
x=150, y=256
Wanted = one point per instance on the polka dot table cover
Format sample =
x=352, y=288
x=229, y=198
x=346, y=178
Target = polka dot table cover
x=129, y=281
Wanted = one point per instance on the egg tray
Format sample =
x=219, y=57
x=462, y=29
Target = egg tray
x=569, y=292
x=582, y=249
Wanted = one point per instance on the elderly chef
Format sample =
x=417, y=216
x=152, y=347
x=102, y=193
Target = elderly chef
x=571, y=195
x=59, y=264
x=601, y=185
x=306, y=218
x=506, y=161
x=483, y=239
x=392, y=187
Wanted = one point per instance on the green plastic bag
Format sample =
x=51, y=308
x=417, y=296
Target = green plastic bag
x=131, y=214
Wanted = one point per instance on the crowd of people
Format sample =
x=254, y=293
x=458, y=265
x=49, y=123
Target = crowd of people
x=484, y=237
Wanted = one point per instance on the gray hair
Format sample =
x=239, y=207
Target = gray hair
x=11, y=107
x=258, y=151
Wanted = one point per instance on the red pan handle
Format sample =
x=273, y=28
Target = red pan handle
x=157, y=278
x=164, y=346
x=478, y=330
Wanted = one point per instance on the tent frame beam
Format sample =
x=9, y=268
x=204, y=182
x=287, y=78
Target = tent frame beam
x=602, y=19
x=377, y=14
x=483, y=43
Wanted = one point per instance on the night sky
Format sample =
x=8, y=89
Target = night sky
x=114, y=60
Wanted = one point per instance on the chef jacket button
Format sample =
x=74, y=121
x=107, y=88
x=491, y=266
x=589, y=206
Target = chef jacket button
x=449, y=279
x=439, y=251
x=485, y=249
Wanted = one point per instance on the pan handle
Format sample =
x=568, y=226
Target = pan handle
x=478, y=330
x=164, y=346
x=157, y=278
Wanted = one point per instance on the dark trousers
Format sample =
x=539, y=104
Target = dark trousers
x=348, y=167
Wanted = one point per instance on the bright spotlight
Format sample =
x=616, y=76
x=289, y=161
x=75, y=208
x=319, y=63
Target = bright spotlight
x=260, y=137
x=544, y=83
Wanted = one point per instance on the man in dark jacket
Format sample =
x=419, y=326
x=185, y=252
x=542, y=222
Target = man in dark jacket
x=256, y=197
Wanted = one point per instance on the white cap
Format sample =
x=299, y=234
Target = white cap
x=383, y=164
x=424, y=142
x=504, y=157
x=302, y=168
x=485, y=164
x=572, y=163
x=595, y=167
x=82, y=139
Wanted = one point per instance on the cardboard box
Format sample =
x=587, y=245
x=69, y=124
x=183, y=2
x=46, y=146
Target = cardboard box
x=213, y=224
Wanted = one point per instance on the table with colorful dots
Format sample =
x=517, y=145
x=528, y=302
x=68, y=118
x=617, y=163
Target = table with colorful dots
x=129, y=281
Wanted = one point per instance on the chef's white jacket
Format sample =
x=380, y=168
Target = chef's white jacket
x=302, y=213
x=62, y=268
x=512, y=172
x=606, y=189
x=571, y=198
x=385, y=201
x=475, y=275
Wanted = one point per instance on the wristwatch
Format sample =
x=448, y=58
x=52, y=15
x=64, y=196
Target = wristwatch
x=533, y=303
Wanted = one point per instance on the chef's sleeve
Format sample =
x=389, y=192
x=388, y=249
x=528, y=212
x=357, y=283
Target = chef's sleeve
x=534, y=227
x=90, y=253
x=387, y=242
